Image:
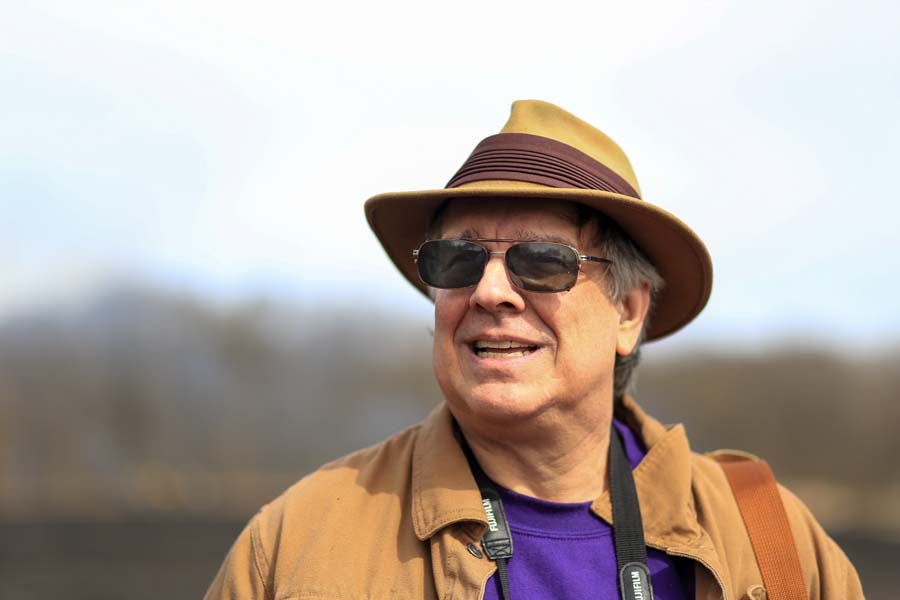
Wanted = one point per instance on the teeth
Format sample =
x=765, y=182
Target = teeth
x=501, y=354
x=492, y=349
x=501, y=345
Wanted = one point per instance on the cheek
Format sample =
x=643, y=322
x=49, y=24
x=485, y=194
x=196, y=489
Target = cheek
x=448, y=313
x=449, y=309
x=585, y=346
x=587, y=341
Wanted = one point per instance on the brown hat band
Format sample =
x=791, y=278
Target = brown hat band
x=540, y=160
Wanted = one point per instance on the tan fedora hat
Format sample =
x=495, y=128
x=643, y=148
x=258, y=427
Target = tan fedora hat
x=547, y=153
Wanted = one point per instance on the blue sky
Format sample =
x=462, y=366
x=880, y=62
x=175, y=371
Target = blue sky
x=227, y=149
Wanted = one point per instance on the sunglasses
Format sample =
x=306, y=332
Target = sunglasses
x=532, y=266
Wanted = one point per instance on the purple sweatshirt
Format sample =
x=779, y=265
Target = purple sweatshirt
x=566, y=551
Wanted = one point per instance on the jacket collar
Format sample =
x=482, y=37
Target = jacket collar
x=444, y=491
x=662, y=479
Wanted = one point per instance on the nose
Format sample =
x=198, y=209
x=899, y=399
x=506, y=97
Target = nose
x=495, y=292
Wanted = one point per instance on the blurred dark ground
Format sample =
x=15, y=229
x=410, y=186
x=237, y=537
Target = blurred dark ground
x=140, y=431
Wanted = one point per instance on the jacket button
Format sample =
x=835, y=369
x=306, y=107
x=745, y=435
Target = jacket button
x=473, y=550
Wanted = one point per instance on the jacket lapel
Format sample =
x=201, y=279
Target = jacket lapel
x=664, y=485
x=443, y=489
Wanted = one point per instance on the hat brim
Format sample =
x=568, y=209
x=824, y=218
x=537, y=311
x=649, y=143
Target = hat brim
x=400, y=220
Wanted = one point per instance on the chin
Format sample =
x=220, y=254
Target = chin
x=501, y=403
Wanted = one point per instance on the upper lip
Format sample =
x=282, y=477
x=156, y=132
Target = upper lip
x=501, y=338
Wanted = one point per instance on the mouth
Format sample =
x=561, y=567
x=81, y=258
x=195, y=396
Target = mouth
x=501, y=349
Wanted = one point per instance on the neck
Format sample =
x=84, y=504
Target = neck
x=551, y=461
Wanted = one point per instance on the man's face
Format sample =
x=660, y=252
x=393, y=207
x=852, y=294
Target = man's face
x=571, y=337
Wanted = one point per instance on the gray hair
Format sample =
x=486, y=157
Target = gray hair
x=630, y=269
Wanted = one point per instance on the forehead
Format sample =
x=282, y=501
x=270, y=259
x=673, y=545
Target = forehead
x=510, y=217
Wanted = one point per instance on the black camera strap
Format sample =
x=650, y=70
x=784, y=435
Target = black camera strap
x=628, y=528
x=628, y=531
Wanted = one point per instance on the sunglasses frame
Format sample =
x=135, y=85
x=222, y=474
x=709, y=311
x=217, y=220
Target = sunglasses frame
x=582, y=258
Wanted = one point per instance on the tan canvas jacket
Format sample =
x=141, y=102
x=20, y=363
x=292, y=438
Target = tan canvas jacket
x=395, y=521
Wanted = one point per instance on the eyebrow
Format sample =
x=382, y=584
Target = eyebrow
x=524, y=235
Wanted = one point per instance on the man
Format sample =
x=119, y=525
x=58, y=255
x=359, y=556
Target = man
x=547, y=273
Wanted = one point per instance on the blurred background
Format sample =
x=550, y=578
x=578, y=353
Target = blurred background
x=194, y=314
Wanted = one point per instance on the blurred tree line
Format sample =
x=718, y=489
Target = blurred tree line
x=146, y=403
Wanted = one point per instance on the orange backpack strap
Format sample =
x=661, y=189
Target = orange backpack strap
x=762, y=509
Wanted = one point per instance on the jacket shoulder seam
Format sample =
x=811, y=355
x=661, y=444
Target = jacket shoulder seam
x=259, y=553
x=363, y=456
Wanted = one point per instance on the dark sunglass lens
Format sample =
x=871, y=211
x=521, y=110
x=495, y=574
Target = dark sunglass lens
x=542, y=267
x=451, y=263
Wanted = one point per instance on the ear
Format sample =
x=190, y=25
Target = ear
x=632, y=311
